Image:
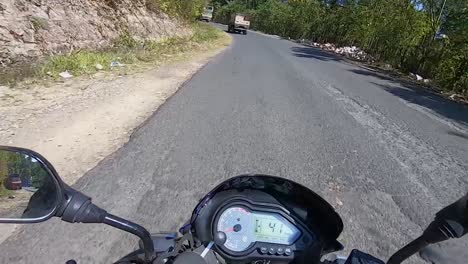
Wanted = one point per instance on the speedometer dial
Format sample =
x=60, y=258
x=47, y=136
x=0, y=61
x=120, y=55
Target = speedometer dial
x=238, y=225
x=243, y=228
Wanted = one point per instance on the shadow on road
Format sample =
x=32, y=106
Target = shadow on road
x=314, y=53
x=445, y=107
x=458, y=134
x=382, y=76
x=405, y=89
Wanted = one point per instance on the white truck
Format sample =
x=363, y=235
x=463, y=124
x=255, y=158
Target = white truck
x=239, y=23
x=207, y=14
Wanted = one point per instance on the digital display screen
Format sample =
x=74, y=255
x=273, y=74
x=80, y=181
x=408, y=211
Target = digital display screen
x=273, y=228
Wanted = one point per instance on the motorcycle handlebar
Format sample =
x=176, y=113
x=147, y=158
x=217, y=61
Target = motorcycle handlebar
x=450, y=222
x=407, y=251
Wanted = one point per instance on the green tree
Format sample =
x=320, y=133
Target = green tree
x=428, y=37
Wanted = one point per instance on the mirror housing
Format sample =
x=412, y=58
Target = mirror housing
x=28, y=174
x=70, y=205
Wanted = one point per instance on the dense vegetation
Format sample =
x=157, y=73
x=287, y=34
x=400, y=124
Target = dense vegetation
x=428, y=37
x=185, y=9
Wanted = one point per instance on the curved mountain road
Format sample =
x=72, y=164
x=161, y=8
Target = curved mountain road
x=385, y=155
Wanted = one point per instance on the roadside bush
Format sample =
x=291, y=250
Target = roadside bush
x=223, y=14
x=185, y=9
x=39, y=23
x=452, y=73
x=128, y=51
x=125, y=40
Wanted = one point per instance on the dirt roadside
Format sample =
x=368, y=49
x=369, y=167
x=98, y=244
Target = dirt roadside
x=75, y=124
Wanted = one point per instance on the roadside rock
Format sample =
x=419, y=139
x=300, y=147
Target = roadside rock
x=32, y=29
x=3, y=90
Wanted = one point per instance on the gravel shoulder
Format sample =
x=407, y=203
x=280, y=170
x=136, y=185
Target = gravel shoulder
x=76, y=123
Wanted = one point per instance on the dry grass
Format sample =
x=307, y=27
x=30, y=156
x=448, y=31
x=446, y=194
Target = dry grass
x=125, y=50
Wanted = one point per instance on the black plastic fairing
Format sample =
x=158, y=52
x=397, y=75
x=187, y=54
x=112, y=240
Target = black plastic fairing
x=316, y=213
x=205, y=226
x=308, y=211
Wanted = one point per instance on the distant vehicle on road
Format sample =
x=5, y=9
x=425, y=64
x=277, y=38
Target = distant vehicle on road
x=13, y=182
x=207, y=14
x=239, y=23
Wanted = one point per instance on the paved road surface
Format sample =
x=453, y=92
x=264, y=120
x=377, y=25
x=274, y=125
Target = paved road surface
x=386, y=156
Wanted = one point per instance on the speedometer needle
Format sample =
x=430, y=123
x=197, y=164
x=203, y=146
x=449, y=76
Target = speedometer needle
x=229, y=230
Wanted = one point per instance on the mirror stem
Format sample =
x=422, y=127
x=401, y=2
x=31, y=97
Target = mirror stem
x=135, y=229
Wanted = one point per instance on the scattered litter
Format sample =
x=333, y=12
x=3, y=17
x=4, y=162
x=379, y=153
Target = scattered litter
x=353, y=52
x=412, y=75
x=440, y=36
x=339, y=202
x=65, y=75
x=347, y=51
x=456, y=97
x=11, y=197
x=419, y=78
x=426, y=81
x=99, y=67
x=49, y=74
x=117, y=64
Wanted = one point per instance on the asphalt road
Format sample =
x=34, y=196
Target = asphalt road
x=385, y=155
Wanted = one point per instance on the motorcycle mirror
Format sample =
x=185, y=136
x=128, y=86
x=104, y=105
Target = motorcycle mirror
x=30, y=190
